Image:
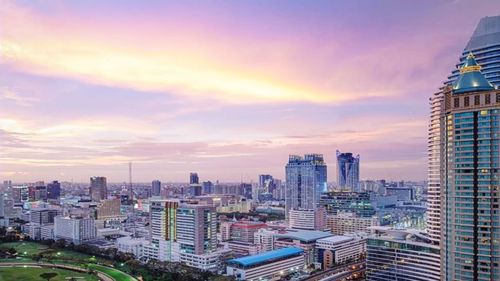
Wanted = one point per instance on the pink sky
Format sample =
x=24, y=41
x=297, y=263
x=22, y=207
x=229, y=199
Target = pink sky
x=227, y=89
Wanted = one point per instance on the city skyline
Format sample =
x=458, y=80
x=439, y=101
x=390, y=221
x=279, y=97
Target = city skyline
x=84, y=98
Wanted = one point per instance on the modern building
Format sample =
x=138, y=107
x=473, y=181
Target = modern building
x=74, y=230
x=337, y=250
x=401, y=193
x=264, y=239
x=193, y=178
x=303, y=239
x=470, y=210
x=485, y=45
x=305, y=181
x=98, y=188
x=344, y=223
x=308, y=219
x=109, y=209
x=239, y=248
x=43, y=215
x=131, y=245
x=359, y=203
x=402, y=255
x=347, y=171
x=156, y=188
x=242, y=231
x=267, y=266
x=53, y=190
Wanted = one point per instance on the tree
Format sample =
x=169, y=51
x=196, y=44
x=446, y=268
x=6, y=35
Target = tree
x=48, y=275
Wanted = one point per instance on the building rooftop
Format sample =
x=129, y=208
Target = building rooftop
x=266, y=256
x=471, y=79
x=336, y=239
x=303, y=235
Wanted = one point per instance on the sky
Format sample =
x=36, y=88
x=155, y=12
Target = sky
x=227, y=89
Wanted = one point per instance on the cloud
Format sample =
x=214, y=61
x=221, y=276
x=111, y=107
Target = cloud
x=7, y=94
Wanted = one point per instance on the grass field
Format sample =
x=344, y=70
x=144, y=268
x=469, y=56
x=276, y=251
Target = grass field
x=114, y=273
x=32, y=248
x=33, y=274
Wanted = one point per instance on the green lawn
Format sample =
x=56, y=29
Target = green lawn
x=33, y=274
x=29, y=247
x=114, y=273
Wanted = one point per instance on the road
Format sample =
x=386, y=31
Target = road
x=338, y=273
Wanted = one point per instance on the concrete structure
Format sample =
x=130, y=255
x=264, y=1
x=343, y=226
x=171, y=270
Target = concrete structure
x=240, y=248
x=336, y=250
x=43, y=215
x=75, y=230
x=53, y=190
x=347, y=171
x=343, y=223
x=109, y=209
x=264, y=239
x=266, y=266
x=98, y=188
x=240, y=231
x=470, y=208
x=305, y=181
x=303, y=239
x=131, y=245
x=156, y=188
x=308, y=219
x=401, y=255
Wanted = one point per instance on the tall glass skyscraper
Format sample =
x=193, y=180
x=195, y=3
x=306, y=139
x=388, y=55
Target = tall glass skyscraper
x=470, y=197
x=347, y=171
x=485, y=45
x=305, y=181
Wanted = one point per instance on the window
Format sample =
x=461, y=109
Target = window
x=476, y=100
x=487, y=99
x=498, y=97
x=456, y=102
x=466, y=101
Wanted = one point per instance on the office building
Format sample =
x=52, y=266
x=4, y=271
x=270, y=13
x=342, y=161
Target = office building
x=335, y=250
x=74, y=230
x=242, y=231
x=156, y=188
x=308, y=219
x=402, y=255
x=43, y=215
x=305, y=181
x=303, y=239
x=484, y=44
x=344, y=223
x=109, y=209
x=53, y=190
x=401, y=193
x=270, y=265
x=98, y=188
x=469, y=185
x=359, y=203
x=347, y=171
x=193, y=178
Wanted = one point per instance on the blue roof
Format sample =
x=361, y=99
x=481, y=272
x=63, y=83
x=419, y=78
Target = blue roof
x=266, y=256
x=471, y=79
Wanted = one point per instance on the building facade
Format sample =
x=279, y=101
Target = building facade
x=470, y=210
x=308, y=219
x=156, y=188
x=347, y=171
x=305, y=181
x=343, y=223
x=98, y=188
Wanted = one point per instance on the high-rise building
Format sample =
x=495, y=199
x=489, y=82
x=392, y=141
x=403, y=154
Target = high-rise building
x=156, y=188
x=43, y=215
x=109, y=209
x=193, y=178
x=75, y=230
x=54, y=190
x=98, y=188
x=484, y=44
x=308, y=219
x=401, y=255
x=305, y=181
x=207, y=187
x=347, y=171
x=470, y=183
x=358, y=203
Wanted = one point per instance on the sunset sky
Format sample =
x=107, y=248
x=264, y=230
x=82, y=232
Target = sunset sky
x=225, y=88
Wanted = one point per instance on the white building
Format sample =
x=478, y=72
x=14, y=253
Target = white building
x=340, y=249
x=308, y=219
x=131, y=245
x=343, y=223
x=264, y=239
x=267, y=265
x=75, y=230
x=47, y=231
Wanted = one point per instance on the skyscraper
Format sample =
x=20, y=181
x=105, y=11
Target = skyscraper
x=53, y=190
x=347, y=171
x=156, y=188
x=98, y=188
x=305, y=181
x=470, y=182
x=193, y=178
x=484, y=44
